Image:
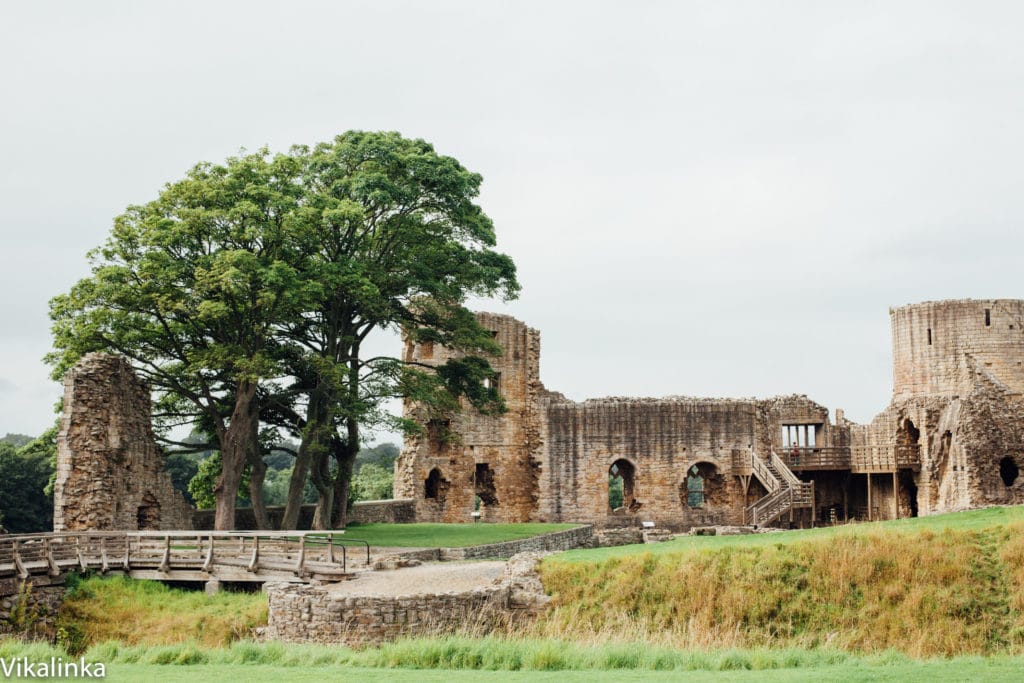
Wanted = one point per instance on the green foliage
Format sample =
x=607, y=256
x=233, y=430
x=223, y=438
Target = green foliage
x=383, y=455
x=372, y=482
x=615, y=494
x=247, y=289
x=16, y=440
x=276, y=484
x=201, y=485
x=182, y=468
x=25, y=504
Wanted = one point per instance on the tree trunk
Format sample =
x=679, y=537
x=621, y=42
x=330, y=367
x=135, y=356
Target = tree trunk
x=324, y=505
x=308, y=448
x=235, y=447
x=257, y=473
x=342, y=488
x=345, y=453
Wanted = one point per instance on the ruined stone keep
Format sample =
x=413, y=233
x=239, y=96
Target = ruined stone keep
x=110, y=471
x=950, y=439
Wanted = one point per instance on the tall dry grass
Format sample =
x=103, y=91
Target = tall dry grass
x=926, y=594
x=149, y=613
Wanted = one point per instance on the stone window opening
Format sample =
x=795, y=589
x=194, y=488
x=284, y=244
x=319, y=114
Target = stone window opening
x=704, y=486
x=929, y=336
x=988, y=317
x=432, y=485
x=493, y=382
x=695, y=488
x=1008, y=471
x=483, y=484
x=621, y=486
x=148, y=515
x=437, y=434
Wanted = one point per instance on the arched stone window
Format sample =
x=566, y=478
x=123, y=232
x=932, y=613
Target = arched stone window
x=704, y=485
x=622, y=485
x=432, y=486
x=1008, y=471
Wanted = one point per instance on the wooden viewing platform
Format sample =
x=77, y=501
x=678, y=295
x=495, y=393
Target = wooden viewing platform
x=858, y=459
x=292, y=556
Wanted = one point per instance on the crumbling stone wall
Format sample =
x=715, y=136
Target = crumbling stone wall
x=28, y=607
x=958, y=378
x=299, y=613
x=109, y=468
x=958, y=374
x=493, y=457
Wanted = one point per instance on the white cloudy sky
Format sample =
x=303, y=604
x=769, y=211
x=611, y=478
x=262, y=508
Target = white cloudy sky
x=706, y=198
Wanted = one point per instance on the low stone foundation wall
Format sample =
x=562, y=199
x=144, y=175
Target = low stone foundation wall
x=556, y=541
x=312, y=614
x=29, y=608
x=396, y=511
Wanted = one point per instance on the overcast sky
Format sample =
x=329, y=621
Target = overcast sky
x=703, y=198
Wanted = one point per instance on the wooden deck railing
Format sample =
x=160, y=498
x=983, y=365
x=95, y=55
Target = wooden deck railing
x=238, y=556
x=856, y=459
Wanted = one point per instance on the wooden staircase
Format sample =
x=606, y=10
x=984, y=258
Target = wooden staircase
x=785, y=491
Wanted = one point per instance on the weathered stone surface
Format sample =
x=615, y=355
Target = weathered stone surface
x=109, y=468
x=958, y=382
x=311, y=614
x=29, y=608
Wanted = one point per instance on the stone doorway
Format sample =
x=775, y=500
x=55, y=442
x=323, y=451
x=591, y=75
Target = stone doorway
x=148, y=515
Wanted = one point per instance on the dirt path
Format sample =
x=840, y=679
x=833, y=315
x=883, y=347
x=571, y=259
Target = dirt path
x=434, y=577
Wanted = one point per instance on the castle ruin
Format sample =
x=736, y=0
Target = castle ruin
x=950, y=439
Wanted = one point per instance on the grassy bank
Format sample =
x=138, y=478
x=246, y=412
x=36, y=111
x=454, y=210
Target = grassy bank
x=149, y=613
x=447, y=535
x=948, y=585
x=457, y=659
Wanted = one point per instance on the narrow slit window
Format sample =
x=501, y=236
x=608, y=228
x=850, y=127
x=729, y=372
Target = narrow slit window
x=988, y=317
x=929, y=336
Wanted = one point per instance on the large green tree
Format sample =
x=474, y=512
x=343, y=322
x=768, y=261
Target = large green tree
x=393, y=236
x=192, y=287
x=245, y=294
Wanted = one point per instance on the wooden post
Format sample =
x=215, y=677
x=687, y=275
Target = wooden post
x=51, y=563
x=814, y=505
x=869, y=496
x=895, y=497
x=22, y=572
x=105, y=565
x=254, y=563
x=209, y=556
x=301, y=563
x=165, y=562
x=78, y=551
x=330, y=548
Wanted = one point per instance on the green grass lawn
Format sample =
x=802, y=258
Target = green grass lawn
x=446, y=535
x=971, y=520
x=965, y=669
x=457, y=660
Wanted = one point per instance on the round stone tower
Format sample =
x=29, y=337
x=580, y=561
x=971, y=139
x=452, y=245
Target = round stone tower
x=939, y=346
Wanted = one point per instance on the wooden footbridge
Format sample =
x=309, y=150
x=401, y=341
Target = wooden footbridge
x=292, y=556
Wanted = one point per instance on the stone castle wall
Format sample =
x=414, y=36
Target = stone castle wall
x=490, y=457
x=110, y=472
x=938, y=345
x=958, y=378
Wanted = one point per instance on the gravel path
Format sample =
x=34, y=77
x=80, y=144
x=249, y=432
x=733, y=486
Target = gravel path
x=434, y=577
